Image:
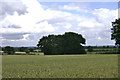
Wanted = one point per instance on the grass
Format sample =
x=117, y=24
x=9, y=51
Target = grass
x=60, y=66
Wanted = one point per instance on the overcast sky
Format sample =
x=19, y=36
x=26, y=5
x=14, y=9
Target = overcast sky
x=24, y=22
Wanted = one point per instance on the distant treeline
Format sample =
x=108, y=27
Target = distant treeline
x=11, y=50
x=21, y=49
x=102, y=49
x=107, y=46
x=18, y=48
x=89, y=49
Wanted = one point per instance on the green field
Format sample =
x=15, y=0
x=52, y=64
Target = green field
x=60, y=66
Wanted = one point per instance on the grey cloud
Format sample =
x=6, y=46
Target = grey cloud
x=100, y=42
x=119, y=4
x=105, y=34
x=31, y=37
x=90, y=35
x=55, y=6
x=53, y=21
x=12, y=26
x=13, y=36
x=32, y=40
x=11, y=7
x=56, y=20
x=18, y=43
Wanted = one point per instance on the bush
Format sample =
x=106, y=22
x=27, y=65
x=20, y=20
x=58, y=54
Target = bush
x=9, y=50
x=27, y=52
x=90, y=49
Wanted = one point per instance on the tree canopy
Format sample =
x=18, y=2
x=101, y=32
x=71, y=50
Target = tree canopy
x=22, y=49
x=9, y=50
x=68, y=43
x=90, y=49
x=116, y=32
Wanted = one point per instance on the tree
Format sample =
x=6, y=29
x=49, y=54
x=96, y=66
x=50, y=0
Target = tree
x=116, y=32
x=9, y=50
x=31, y=49
x=72, y=43
x=27, y=52
x=90, y=49
x=68, y=43
x=22, y=49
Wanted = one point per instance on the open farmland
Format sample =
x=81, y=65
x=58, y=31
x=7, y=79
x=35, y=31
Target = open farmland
x=60, y=66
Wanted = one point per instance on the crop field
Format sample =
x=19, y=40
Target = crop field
x=60, y=66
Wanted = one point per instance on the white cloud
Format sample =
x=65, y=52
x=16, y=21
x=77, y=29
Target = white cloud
x=89, y=23
x=43, y=27
x=29, y=21
x=105, y=15
x=68, y=26
x=34, y=21
x=99, y=38
x=38, y=21
x=99, y=26
x=79, y=7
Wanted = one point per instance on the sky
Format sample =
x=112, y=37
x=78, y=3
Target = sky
x=23, y=22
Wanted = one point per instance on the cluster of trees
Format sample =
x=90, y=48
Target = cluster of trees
x=25, y=49
x=68, y=43
x=11, y=50
x=104, y=48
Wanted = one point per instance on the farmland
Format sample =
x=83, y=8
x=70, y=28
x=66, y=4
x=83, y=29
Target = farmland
x=60, y=66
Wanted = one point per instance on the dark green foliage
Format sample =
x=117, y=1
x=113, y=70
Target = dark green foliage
x=27, y=52
x=116, y=32
x=22, y=49
x=9, y=50
x=90, y=49
x=68, y=43
x=16, y=49
x=31, y=49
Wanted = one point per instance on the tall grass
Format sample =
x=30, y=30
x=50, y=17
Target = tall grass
x=60, y=66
